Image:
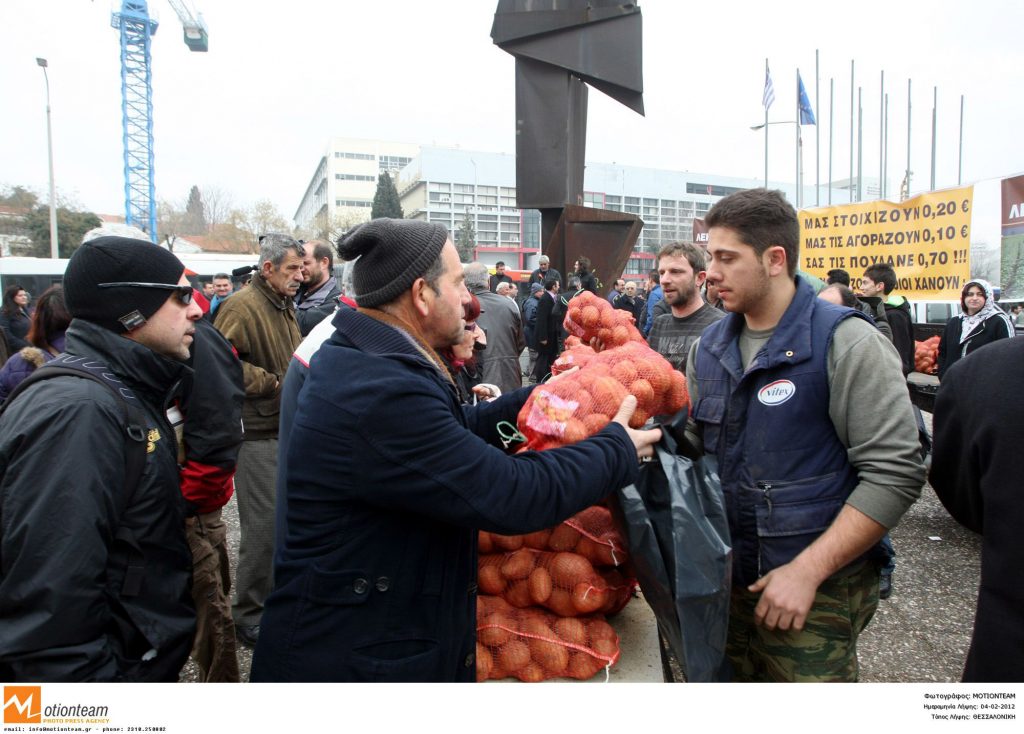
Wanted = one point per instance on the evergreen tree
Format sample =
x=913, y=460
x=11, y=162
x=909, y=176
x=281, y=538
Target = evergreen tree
x=195, y=214
x=465, y=239
x=71, y=227
x=385, y=201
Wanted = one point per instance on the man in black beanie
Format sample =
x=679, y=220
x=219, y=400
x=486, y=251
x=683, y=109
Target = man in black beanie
x=389, y=477
x=94, y=566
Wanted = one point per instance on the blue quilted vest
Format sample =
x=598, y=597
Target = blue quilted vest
x=784, y=471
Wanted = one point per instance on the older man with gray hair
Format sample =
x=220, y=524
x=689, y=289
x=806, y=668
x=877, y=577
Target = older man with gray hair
x=501, y=321
x=259, y=321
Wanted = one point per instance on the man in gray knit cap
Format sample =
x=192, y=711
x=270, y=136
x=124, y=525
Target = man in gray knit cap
x=389, y=477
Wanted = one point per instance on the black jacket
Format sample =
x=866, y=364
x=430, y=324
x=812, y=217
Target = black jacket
x=68, y=524
x=950, y=348
x=549, y=319
x=902, y=326
x=976, y=469
x=15, y=327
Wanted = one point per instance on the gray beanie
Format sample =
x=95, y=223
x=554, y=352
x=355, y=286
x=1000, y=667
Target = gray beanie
x=392, y=254
x=117, y=260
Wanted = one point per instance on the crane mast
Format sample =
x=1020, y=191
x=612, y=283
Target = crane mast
x=136, y=30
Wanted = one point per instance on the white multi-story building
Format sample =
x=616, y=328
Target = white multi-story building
x=447, y=185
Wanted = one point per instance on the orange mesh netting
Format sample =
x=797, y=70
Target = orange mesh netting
x=591, y=533
x=534, y=645
x=590, y=316
x=566, y=583
x=925, y=355
x=580, y=404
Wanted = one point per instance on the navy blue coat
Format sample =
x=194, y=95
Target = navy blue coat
x=388, y=480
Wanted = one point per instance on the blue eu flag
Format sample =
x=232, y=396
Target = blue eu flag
x=806, y=113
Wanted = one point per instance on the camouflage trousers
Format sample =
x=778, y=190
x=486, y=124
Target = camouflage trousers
x=824, y=650
x=214, y=647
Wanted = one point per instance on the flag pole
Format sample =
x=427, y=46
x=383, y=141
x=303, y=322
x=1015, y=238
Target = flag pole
x=817, y=135
x=860, y=146
x=852, y=111
x=960, y=155
x=798, y=184
x=831, y=104
x=766, y=77
x=906, y=179
x=935, y=112
x=885, y=156
x=881, y=137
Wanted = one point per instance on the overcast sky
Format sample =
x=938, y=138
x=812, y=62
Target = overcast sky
x=254, y=114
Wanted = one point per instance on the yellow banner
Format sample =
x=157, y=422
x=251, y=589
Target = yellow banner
x=926, y=240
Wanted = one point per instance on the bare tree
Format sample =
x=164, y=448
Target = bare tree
x=217, y=204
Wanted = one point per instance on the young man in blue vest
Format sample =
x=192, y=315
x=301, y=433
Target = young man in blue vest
x=786, y=390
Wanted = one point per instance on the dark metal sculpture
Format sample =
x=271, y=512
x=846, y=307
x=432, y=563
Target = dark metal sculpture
x=561, y=46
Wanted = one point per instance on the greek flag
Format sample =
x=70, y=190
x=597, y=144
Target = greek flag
x=769, y=90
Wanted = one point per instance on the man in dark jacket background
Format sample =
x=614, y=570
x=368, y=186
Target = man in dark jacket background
x=259, y=321
x=318, y=295
x=880, y=281
x=94, y=574
x=375, y=579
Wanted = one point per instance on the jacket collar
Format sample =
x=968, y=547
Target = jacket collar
x=281, y=303
x=153, y=376
x=790, y=343
x=373, y=336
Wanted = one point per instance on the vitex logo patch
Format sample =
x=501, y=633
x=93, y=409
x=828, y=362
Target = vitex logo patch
x=776, y=393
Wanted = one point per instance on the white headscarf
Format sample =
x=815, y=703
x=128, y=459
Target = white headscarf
x=990, y=309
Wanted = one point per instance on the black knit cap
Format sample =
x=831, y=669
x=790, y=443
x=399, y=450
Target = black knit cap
x=118, y=260
x=392, y=254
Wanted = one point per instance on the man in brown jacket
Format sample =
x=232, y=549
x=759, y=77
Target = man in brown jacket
x=259, y=321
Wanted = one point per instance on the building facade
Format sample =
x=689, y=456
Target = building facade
x=452, y=186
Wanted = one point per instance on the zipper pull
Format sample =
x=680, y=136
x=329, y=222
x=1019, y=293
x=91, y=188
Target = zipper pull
x=766, y=490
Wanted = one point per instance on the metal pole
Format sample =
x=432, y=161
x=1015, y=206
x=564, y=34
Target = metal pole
x=860, y=147
x=799, y=186
x=49, y=148
x=885, y=157
x=817, y=136
x=907, y=177
x=852, y=110
x=831, y=104
x=882, y=136
x=935, y=109
x=766, y=72
x=960, y=155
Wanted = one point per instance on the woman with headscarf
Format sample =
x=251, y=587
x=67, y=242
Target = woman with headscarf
x=981, y=322
x=461, y=361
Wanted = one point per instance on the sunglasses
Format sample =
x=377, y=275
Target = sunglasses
x=183, y=293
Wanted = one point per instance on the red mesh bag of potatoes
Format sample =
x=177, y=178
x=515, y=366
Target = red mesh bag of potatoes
x=581, y=403
x=590, y=316
x=534, y=645
x=566, y=583
x=926, y=355
x=576, y=356
x=592, y=533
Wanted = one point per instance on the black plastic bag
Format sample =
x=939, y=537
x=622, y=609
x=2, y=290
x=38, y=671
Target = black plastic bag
x=678, y=535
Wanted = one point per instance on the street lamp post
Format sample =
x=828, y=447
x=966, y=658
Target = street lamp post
x=49, y=147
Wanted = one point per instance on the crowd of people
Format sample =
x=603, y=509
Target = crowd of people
x=356, y=424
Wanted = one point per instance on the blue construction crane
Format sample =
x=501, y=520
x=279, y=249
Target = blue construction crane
x=136, y=30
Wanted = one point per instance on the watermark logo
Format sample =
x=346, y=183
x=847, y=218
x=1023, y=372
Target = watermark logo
x=23, y=704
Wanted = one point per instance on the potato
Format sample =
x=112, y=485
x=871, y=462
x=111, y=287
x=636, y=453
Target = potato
x=560, y=602
x=595, y=422
x=551, y=656
x=587, y=548
x=518, y=594
x=494, y=630
x=588, y=598
x=507, y=542
x=563, y=538
x=537, y=540
x=535, y=625
x=540, y=585
x=490, y=580
x=568, y=569
x=583, y=666
x=484, y=663
x=571, y=630
x=600, y=630
x=532, y=673
x=484, y=544
x=514, y=656
x=518, y=565
x=606, y=648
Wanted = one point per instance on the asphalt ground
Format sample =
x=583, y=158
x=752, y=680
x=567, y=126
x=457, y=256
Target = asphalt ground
x=920, y=634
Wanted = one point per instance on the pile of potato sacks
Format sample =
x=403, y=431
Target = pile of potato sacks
x=544, y=596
